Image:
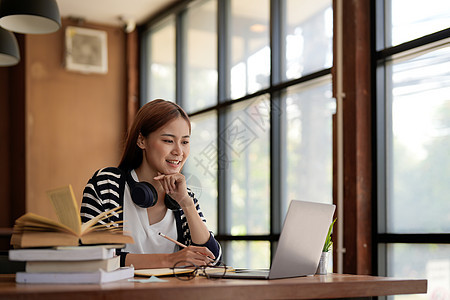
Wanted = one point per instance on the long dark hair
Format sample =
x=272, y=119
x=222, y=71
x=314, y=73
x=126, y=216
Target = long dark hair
x=149, y=118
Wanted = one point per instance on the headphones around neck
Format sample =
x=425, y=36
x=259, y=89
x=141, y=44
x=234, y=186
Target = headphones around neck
x=145, y=195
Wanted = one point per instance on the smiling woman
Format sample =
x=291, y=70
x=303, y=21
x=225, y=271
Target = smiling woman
x=166, y=149
x=148, y=184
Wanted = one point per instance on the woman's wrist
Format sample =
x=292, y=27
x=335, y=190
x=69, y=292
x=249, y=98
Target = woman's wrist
x=166, y=260
x=186, y=203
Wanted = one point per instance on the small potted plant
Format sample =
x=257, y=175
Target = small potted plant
x=323, y=263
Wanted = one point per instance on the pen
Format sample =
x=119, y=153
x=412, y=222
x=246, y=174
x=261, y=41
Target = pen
x=178, y=243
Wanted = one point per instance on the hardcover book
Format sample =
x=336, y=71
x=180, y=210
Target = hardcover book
x=106, y=265
x=62, y=253
x=97, y=277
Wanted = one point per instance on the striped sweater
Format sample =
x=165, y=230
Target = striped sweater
x=104, y=191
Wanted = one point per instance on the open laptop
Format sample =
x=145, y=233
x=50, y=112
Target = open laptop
x=300, y=245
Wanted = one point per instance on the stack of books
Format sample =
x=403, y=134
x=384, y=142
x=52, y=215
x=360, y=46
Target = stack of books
x=80, y=265
x=68, y=251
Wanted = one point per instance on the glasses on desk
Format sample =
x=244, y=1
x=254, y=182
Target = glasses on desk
x=184, y=270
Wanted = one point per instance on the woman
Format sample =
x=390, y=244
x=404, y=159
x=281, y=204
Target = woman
x=153, y=193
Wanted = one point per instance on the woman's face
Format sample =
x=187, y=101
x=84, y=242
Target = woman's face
x=166, y=149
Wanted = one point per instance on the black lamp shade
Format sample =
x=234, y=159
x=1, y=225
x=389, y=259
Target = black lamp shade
x=30, y=16
x=9, y=49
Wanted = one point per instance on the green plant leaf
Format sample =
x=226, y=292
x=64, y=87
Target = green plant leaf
x=328, y=242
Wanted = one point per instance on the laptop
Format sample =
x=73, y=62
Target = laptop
x=300, y=245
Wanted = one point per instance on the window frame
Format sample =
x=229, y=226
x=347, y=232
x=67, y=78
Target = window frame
x=276, y=88
x=382, y=54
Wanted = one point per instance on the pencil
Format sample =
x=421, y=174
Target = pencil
x=172, y=240
x=178, y=243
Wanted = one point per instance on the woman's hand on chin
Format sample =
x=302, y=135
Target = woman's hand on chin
x=175, y=186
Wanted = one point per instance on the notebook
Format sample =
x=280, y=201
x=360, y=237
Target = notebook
x=300, y=245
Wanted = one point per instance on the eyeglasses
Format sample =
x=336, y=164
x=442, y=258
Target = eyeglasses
x=184, y=270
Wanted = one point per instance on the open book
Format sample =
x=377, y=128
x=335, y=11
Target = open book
x=162, y=272
x=32, y=230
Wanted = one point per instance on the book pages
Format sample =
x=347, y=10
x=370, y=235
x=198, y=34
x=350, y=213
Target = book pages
x=66, y=208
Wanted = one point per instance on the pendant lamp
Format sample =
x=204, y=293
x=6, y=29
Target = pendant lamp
x=9, y=49
x=30, y=16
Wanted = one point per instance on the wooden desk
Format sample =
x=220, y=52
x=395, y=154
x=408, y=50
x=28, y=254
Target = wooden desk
x=311, y=287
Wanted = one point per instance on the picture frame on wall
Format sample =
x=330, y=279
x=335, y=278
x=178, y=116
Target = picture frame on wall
x=86, y=50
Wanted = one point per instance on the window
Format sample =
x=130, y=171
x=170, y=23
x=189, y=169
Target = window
x=418, y=143
x=200, y=169
x=308, y=127
x=260, y=105
x=249, y=44
x=413, y=140
x=160, y=66
x=246, y=142
x=200, y=58
x=423, y=18
x=309, y=37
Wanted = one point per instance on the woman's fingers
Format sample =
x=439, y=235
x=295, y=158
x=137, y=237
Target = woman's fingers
x=197, y=255
x=171, y=182
x=167, y=185
x=203, y=250
x=175, y=186
x=164, y=185
x=203, y=255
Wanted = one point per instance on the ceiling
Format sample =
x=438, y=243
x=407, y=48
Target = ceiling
x=110, y=12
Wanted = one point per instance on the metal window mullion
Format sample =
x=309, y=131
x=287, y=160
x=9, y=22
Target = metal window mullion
x=271, y=89
x=145, y=52
x=180, y=57
x=223, y=48
x=384, y=20
x=384, y=87
x=277, y=15
x=374, y=37
x=380, y=223
x=277, y=46
x=414, y=46
x=223, y=12
x=381, y=159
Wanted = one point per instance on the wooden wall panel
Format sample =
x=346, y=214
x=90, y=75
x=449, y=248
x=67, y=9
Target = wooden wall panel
x=75, y=123
x=4, y=148
x=357, y=137
x=12, y=161
x=4, y=159
x=133, y=75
